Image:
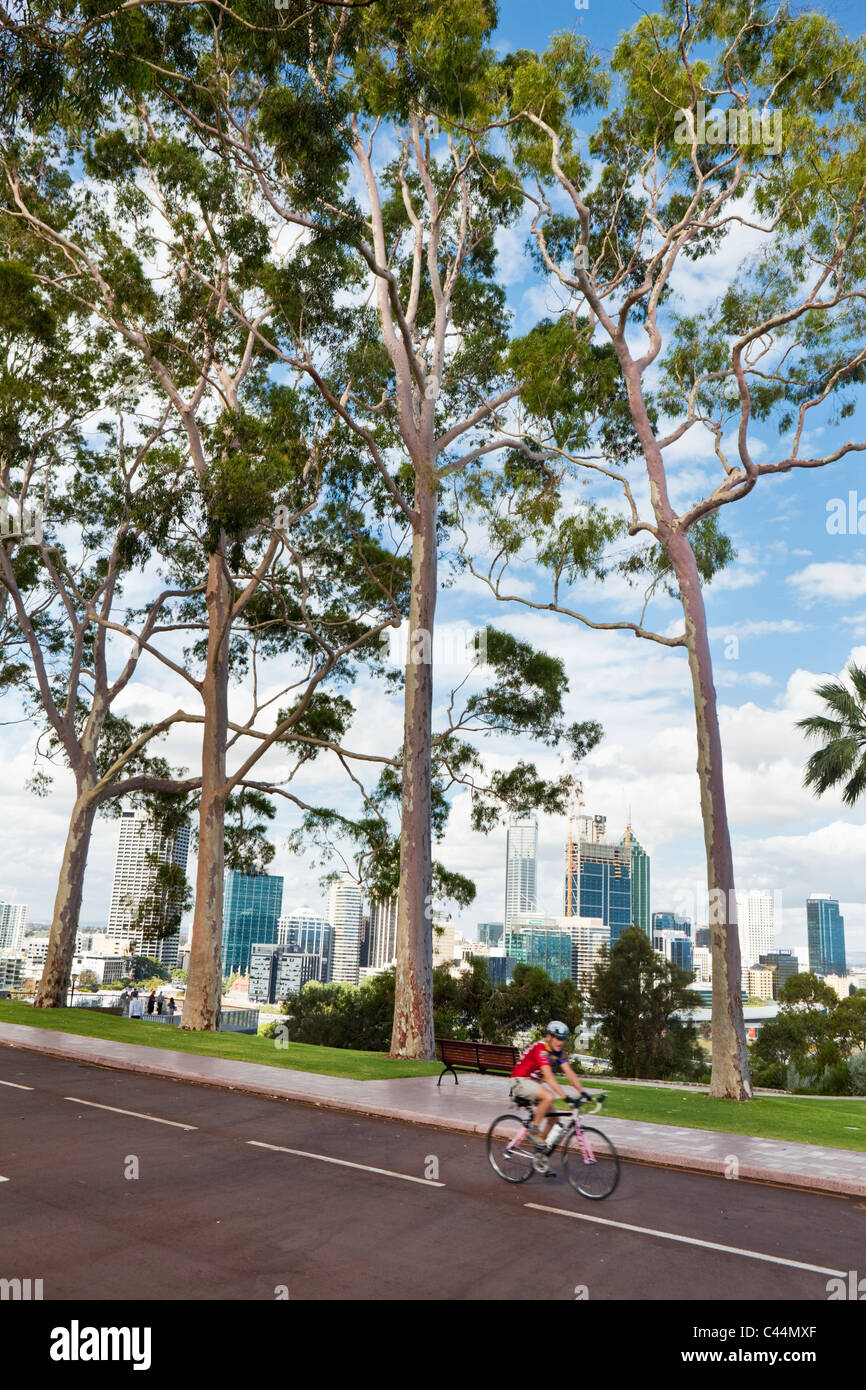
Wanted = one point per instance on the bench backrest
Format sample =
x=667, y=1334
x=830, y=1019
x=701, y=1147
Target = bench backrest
x=484, y=1056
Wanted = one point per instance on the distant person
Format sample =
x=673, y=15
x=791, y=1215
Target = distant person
x=171, y=1006
x=160, y=1000
x=135, y=1004
x=124, y=1001
x=151, y=1001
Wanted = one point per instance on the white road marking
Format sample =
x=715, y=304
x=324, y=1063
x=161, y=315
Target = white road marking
x=4, y=1179
x=17, y=1085
x=688, y=1240
x=76, y=1100
x=344, y=1163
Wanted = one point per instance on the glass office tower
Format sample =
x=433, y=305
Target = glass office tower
x=521, y=853
x=251, y=913
x=825, y=928
x=598, y=884
x=640, y=882
x=541, y=941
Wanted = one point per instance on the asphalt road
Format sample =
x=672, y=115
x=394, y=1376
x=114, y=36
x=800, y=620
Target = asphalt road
x=105, y=1205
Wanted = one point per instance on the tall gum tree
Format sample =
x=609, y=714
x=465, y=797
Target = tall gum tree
x=161, y=205
x=360, y=153
x=681, y=162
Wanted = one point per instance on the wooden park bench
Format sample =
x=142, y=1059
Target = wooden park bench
x=495, y=1058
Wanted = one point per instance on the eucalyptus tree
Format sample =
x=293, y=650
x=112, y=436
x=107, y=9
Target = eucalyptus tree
x=731, y=119
x=233, y=514
x=66, y=551
x=360, y=164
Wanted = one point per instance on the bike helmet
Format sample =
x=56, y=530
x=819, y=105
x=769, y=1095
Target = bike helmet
x=558, y=1030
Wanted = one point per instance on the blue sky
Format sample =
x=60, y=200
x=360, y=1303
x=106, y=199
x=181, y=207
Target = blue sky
x=791, y=610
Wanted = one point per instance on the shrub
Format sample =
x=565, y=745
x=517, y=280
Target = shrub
x=857, y=1073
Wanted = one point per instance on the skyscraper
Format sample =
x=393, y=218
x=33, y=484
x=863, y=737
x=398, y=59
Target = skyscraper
x=756, y=928
x=640, y=881
x=521, y=852
x=141, y=847
x=13, y=920
x=383, y=934
x=308, y=932
x=251, y=913
x=825, y=927
x=344, y=914
x=597, y=877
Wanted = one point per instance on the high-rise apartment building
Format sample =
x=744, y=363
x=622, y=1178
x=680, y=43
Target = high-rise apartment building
x=597, y=876
x=825, y=928
x=277, y=971
x=383, y=934
x=521, y=854
x=344, y=914
x=141, y=846
x=308, y=932
x=784, y=964
x=756, y=928
x=589, y=938
x=444, y=948
x=640, y=881
x=13, y=920
x=251, y=914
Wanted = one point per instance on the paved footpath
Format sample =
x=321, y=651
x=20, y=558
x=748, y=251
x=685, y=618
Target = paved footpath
x=468, y=1108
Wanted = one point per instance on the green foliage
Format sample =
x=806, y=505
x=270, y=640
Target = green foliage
x=465, y=1005
x=146, y=970
x=87, y=980
x=841, y=761
x=636, y=996
x=812, y=1042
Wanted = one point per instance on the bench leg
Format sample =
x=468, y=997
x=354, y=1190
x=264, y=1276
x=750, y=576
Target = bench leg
x=443, y=1072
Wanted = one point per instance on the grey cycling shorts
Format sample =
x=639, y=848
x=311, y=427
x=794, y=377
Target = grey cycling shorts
x=524, y=1088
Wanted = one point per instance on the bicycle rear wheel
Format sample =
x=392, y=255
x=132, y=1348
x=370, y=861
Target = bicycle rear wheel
x=592, y=1168
x=510, y=1148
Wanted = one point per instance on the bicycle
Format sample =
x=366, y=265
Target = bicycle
x=590, y=1164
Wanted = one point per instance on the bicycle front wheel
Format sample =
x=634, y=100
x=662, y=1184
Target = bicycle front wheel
x=591, y=1163
x=510, y=1148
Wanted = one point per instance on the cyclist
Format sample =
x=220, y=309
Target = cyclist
x=533, y=1078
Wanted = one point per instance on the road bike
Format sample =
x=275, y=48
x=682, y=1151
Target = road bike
x=589, y=1159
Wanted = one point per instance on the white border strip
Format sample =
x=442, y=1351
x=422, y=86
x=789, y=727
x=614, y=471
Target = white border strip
x=688, y=1240
x=344, y=1163
x=76, y=1100
x=17, y=1085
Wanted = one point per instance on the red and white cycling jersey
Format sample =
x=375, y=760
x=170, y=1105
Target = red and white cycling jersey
x=536, y=1057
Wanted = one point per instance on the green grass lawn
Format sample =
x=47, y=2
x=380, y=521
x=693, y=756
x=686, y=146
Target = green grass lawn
x=234, y=1047
x=803, y=1120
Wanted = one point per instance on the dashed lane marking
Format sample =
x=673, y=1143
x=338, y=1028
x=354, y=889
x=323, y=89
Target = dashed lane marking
x=345, y=1163
x=76, y=1100
x=688, y=1240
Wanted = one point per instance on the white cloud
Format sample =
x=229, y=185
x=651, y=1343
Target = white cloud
x=833, y=581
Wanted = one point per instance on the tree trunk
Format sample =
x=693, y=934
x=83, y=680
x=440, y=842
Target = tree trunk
x=730, y=1074
x=201, y=1008
x=413, y=1002
x=54, y=985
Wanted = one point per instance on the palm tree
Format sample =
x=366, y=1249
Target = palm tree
x=843, y=731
